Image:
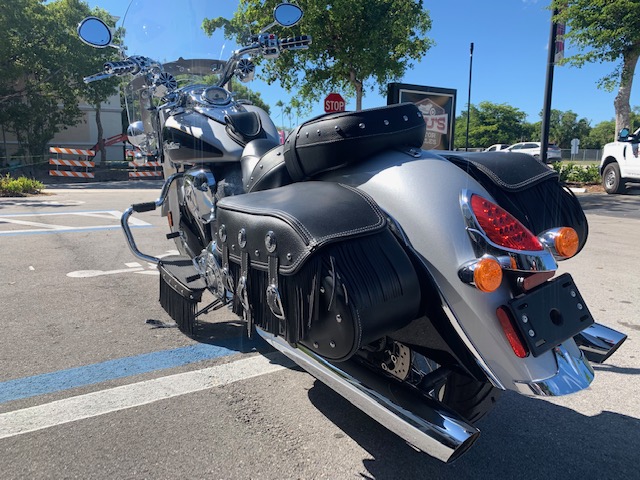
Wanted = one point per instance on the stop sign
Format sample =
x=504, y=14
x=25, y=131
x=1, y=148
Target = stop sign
x=334, y=103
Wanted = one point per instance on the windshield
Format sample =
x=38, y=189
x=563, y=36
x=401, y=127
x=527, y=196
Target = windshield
x=171, y=34
x=167, y=30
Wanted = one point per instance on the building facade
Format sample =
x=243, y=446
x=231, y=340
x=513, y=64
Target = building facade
x=84, y=135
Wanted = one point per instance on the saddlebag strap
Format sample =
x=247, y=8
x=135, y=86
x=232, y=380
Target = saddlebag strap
x=226, y=272
x=242, y=292
x=274, y=300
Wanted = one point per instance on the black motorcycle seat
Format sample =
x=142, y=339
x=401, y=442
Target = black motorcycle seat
x=335, y=140
x=251, y=155
x=339, y=139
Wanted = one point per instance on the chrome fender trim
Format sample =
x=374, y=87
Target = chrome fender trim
x=424, y=423
x=574, y=374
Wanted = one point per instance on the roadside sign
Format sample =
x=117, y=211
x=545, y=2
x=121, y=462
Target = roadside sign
x=575, y=143
x=334, y=103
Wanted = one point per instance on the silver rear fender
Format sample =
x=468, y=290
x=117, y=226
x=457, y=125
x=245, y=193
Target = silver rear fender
x=423, y=196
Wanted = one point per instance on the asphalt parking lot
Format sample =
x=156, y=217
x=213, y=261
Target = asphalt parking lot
x=96, y=384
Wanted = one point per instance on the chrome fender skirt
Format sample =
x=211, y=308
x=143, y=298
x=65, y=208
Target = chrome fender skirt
x=422, y=194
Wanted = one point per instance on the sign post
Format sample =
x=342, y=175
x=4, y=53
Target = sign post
x=575, y=144
x=334, y=103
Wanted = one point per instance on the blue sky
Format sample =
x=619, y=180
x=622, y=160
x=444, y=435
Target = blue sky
x=509, y=63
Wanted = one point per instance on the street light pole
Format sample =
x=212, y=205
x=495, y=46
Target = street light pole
x=546, y=110
x=466, y=148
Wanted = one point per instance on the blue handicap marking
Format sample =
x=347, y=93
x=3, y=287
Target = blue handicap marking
x=123, y=367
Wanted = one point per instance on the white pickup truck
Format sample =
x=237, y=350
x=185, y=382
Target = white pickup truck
x=620, y=162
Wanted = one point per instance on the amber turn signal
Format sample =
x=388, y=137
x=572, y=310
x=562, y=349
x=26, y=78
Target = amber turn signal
x=566, y=242
x=487, y=275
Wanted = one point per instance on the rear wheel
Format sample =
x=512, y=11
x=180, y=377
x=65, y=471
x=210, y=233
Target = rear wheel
x=611, y=180
x=468, y=397
x=459, y=392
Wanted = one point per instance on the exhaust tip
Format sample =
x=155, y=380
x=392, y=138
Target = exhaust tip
x=599, y=342
x=463, y=447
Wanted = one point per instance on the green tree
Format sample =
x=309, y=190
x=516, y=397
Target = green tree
x=599, y=135
x=564, y=127
x=41, y=59
x=242, y=92
x=89, y=60
x=605, y=132
x=605, y=31
x=356, y=44
x=491, y=123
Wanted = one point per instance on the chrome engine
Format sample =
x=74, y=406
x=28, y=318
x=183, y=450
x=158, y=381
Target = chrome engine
x=198, y=192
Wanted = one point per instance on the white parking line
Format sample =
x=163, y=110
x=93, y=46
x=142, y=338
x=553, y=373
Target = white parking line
x=99, y=403
x=22, y=219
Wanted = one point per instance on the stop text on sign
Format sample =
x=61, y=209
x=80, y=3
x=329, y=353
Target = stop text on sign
x=334, y=103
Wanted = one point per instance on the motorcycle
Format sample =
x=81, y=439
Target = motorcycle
x=417, y=284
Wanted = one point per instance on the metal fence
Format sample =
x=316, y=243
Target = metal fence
x=583, y=155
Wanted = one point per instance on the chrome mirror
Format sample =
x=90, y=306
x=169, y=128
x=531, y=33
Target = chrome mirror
x=95, y=32
x=136, y=134
x=287, y=14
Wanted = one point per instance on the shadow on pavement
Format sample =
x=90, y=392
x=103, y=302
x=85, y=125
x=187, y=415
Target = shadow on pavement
x=522, y=438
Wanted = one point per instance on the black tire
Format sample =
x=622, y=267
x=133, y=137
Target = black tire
x=611, y=180
x=468, y=397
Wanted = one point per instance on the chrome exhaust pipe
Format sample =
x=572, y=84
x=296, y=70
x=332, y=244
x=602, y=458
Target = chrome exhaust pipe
x=599, y=342
x=424, y=423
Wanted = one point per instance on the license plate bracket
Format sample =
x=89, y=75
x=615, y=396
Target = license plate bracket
x=550, y=314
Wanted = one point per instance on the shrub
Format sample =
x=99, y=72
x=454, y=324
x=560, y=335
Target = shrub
x=17, y=187
x=572, y=173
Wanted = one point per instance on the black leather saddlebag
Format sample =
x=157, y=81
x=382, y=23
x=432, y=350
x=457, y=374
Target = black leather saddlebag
x=317, y=264
x=527, y=189
x=334, y=140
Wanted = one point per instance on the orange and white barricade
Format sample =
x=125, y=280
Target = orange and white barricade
x=145, y=174
x=60, y=162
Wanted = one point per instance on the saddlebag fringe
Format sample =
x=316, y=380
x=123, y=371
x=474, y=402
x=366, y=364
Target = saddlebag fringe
x=181, y=289
x=345, y=296
x=181, y=310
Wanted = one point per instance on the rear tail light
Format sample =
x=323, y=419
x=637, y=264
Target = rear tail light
x=487, y=275
x=510, y=331
x=566, y=242
x=501, y=227
x=484, y=273
x=563, y=242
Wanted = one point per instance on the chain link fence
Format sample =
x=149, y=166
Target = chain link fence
x=590, y=155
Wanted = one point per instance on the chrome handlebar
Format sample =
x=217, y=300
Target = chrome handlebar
x=266, y=45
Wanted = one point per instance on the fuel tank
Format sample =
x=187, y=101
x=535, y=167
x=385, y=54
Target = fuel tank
x=196, y=137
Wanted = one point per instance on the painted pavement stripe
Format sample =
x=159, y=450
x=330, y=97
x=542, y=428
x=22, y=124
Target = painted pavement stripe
x=44, y=228
x=123, y=367
x=67, y=230
x=103, y=402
